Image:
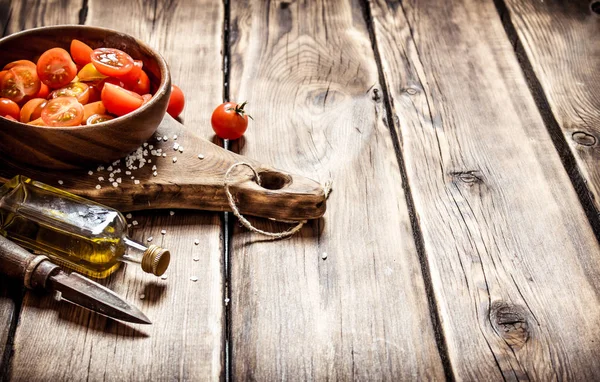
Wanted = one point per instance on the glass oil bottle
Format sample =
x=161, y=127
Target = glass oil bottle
x=74, y=232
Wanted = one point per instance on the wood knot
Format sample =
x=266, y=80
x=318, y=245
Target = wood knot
x=595, y=7
x=469, y=177
x=510, y=322
x=376, y=96
x=411, y=90
x=583, y=138
x=284, y=5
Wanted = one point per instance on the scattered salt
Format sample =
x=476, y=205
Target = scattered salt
x=119, y=180
x=142, y=296
x=150, y=239
x=127, y=172
x=174, y=159
x=136, y=181
x=129, y=216
x=135, y=222
x=60, y=182
x=153, y=167
x=90, y=172
x=171, y=213
x=176, y=146
x=100, y=178
x=151, y=147
x=180, y=149
x=165, y=138
x=164, y=155
x=196, y=241
x=196, y=259
x=98, y=187
x=163, y=232
x=324, y=255
x=111, y=179
x=164, y=277
x=100, y=168
x=109, y=168
x=155, y=173
x=145, y=144
x=200, y=156
x=175, y=136
x=194, y=278
x=115, y=184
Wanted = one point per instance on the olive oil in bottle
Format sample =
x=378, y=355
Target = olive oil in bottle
x=74, y=232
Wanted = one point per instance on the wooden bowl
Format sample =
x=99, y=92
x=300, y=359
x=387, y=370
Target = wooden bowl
x=81, y=146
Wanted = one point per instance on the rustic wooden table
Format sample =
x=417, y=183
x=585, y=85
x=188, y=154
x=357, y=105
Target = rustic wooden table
x=461, y=238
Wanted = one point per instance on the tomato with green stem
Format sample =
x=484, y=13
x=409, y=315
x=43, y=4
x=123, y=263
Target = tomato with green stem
x=229, y=120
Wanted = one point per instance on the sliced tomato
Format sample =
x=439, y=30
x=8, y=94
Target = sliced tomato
x=147, y=97
x=112, y=62
x=133, y=75
x=120, y=101
x=55, y=68
x=81, y=52
x=10, y=117
x=63, y=111
x=44, y=91
x=90, y=73
x=93, y=108
x=141, y=86
x=32, y=109
x=19, y=62
x=9, y=107
x=78, y=90
x=18, y=82
x=98, y=118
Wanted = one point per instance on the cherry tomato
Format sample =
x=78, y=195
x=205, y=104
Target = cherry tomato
x=32, y=109
x=120, y=101
x=134, y=74
x=63, y=111
x=230, y=120
x=10, y=117
x=78, y=90
x=9, y=107
x=112, y=62
x=55, y=68
x=95, y=91
x=81, y=52
x=44, y=91
x=93, y=108
x=18, y=82
x=98, y=118
x=147, y=97
x=20, y=62
x=141, y=85
x=176, y=101
x=90, y=73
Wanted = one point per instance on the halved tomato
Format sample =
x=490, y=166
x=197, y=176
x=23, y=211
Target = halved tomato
x=32, y=109
x=78, y=90
x=55, y=68
x=98, y=118
x=9, y=107
x=120, y=101
x=90, y=73
x=112, y=62
x=19, y=62
x=18, y=82
x=63, y=111
x=93, y=108
x=81, y=52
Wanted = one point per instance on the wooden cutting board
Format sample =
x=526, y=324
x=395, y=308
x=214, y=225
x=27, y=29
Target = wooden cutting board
x=183, y=180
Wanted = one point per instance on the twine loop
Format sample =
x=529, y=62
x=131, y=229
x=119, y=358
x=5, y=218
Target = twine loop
x=275, y=235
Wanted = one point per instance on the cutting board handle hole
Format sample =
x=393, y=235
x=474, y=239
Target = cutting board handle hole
x=272, y=180
x=595, y=7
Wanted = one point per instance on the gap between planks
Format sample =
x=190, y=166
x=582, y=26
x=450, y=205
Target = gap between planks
x=558, y=139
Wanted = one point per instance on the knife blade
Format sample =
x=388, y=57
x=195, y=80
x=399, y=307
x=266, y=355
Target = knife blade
x=38, y=272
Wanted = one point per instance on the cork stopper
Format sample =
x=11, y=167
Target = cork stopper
x=156, y=260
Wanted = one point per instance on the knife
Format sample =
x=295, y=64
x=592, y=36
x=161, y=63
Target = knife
x=38, y=272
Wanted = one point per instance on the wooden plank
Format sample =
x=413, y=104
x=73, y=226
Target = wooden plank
x=309, y=74
x=558, y=44
x=515, y=265
x=185, y=341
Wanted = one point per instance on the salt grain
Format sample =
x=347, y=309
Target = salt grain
x=151, y=147
x=145, y=144
x=60, y=182
x=174, y=159
x=175, y=136
x=129, y=216
x=164, y=277
x=164, y=155
x=129, y=225
x=150, y=239
x=127, y=172
x=142, y=296
x=90, y=172
x=153, y=167
x=176, y=146
x=149, y=160
x=119, y=180
x=194, y=278
x=100, y=168
x=180, y=149
x=165, y=138
x=200, y=156
x=135, y=222
x=115, y=184
x=136, y=181
x=324, y=255
x=155, y=173
x=196, y=241
x=100, y=178
x=109, y=168
x=171, y=213
x=196, y=259
x=163, y=232
x=98, y=187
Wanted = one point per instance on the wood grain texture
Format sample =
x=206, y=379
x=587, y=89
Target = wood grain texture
x=560, y=41
x=185, y=341
x=190, y=182
x=309, y=74
x=515, y=265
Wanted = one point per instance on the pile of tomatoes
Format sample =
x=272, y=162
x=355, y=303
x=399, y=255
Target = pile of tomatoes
x=84, y=87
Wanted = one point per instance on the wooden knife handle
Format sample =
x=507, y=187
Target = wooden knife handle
x=18, y=263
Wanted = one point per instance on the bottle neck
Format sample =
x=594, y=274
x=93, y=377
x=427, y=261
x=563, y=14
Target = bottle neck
x=134, y=251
